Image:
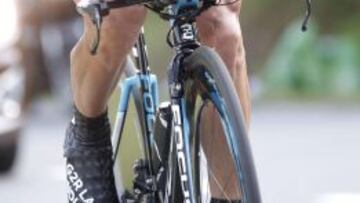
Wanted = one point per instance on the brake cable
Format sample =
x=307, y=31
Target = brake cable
x=304, y=26
x=95, y=12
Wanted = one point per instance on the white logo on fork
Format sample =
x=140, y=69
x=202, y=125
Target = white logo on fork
x=180, y=152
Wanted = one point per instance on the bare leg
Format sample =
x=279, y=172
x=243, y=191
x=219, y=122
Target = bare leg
x=87, y=147
x=94, y=77
x=219, y=28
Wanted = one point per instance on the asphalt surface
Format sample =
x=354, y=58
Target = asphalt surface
x=308, y=153
x=305, y=153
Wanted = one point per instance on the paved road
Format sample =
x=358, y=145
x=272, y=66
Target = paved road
x=304, y=154
x=308, y=153
x=38, y=176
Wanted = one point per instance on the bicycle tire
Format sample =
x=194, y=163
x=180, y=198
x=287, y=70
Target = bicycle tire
x=206, y=61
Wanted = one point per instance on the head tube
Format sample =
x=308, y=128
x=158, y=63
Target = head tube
x=185, y=4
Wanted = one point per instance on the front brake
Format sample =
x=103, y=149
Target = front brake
x=304, y=26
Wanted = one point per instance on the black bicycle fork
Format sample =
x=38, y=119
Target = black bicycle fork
x=184, y=40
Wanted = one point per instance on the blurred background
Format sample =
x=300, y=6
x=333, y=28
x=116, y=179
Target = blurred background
x=306, y=97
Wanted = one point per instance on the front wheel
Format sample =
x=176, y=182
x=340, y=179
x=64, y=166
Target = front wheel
x=223, y=168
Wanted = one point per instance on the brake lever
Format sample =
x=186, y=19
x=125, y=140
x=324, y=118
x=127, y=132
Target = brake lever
x=95, y=11
x=304, y=26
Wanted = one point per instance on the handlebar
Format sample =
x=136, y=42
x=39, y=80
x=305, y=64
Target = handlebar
x=97, y=9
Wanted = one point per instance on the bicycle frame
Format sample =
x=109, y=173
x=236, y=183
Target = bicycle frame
x=148, y=84
x=185, y=42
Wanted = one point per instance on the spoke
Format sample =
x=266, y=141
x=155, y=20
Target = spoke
x=227, y=182
x=237, y=185
x=208, y=176
x=218, y=184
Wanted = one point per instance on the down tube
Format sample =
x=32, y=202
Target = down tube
x=126, y=88
x=182, y=137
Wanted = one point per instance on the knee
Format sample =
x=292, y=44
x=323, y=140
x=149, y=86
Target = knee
x=119, y=31
x=122, y=25
x=229, y=34
x=124, y=19
x=220, y=26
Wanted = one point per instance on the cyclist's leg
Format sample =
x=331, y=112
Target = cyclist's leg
x=87, y=145
x=93, y=77
x=219, y=28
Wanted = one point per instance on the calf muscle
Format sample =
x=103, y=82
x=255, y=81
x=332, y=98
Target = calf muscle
x=94, y=77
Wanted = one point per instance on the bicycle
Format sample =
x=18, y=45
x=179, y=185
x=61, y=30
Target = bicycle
x=175, y=167
x=174, y=171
